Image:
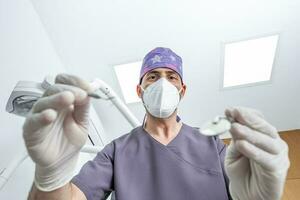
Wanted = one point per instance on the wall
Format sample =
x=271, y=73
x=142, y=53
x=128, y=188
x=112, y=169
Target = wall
x=26, y=53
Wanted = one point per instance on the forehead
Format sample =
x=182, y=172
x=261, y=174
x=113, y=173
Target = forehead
x=162, y=70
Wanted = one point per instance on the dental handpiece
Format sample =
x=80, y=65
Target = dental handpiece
x=94, y=95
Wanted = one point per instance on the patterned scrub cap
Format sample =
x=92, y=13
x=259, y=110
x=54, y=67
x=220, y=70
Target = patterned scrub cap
x=161, y=57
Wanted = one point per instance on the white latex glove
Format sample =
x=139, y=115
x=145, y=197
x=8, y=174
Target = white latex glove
x=56, y=129
x=257, y=158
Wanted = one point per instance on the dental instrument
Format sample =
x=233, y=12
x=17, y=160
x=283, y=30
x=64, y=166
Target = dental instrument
x=26, y=93
x=218, y=126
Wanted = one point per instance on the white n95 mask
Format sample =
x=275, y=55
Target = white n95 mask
x=161, y=98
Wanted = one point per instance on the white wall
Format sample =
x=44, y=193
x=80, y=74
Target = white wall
x=26, y=53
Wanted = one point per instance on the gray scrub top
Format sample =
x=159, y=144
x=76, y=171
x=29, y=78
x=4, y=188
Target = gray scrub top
x=138, y=167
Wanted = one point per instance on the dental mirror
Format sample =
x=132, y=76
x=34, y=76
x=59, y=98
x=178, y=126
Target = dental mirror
x=219, y=125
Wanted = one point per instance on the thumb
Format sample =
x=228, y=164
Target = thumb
x=232, y=153
x=81, y=112
x=236, y=164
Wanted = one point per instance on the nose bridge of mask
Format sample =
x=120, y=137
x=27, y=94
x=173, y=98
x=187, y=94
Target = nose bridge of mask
x=170, y=95
x=165, y=88
x=160, y=87
x=164, y=83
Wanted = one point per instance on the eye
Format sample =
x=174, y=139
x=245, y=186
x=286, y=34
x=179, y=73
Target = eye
x=151, y=77
x=173, y=77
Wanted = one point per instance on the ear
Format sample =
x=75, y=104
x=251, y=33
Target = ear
x=183, y=90
x=139, y=90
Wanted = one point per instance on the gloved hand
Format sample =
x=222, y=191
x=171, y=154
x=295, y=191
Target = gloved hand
x=257, y=160
x=55, y=130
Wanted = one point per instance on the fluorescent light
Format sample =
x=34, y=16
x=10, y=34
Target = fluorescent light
x=249, y=61
x=128, y=77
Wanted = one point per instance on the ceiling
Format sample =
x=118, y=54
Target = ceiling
x=90, y=37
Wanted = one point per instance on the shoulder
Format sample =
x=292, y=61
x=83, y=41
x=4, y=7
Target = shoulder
x=124, y=140
x=194, y=134
x=134, y=134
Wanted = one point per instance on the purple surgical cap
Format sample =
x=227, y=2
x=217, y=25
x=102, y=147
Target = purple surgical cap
x=161, y=57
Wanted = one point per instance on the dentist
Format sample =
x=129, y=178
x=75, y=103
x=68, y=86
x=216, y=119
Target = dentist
x=164, y=159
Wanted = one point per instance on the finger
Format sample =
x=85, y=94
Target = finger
x=81, y=110
x=232, y=153
x=81, y=104
x=246, y=109
x=256, y=154
x=35, y=121
x=81, y=113
x=251, y=118
x=80, y=137
x=234, y=159
x=258, y=139
x=74, y=81
x=57, y=102
x=80, y=95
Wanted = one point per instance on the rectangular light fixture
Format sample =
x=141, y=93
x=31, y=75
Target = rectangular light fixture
x=249, y=61
x=128, y=77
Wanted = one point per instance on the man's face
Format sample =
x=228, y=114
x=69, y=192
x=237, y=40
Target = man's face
x=155, y=74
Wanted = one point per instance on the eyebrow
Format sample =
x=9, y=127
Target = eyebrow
x=157, y=72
